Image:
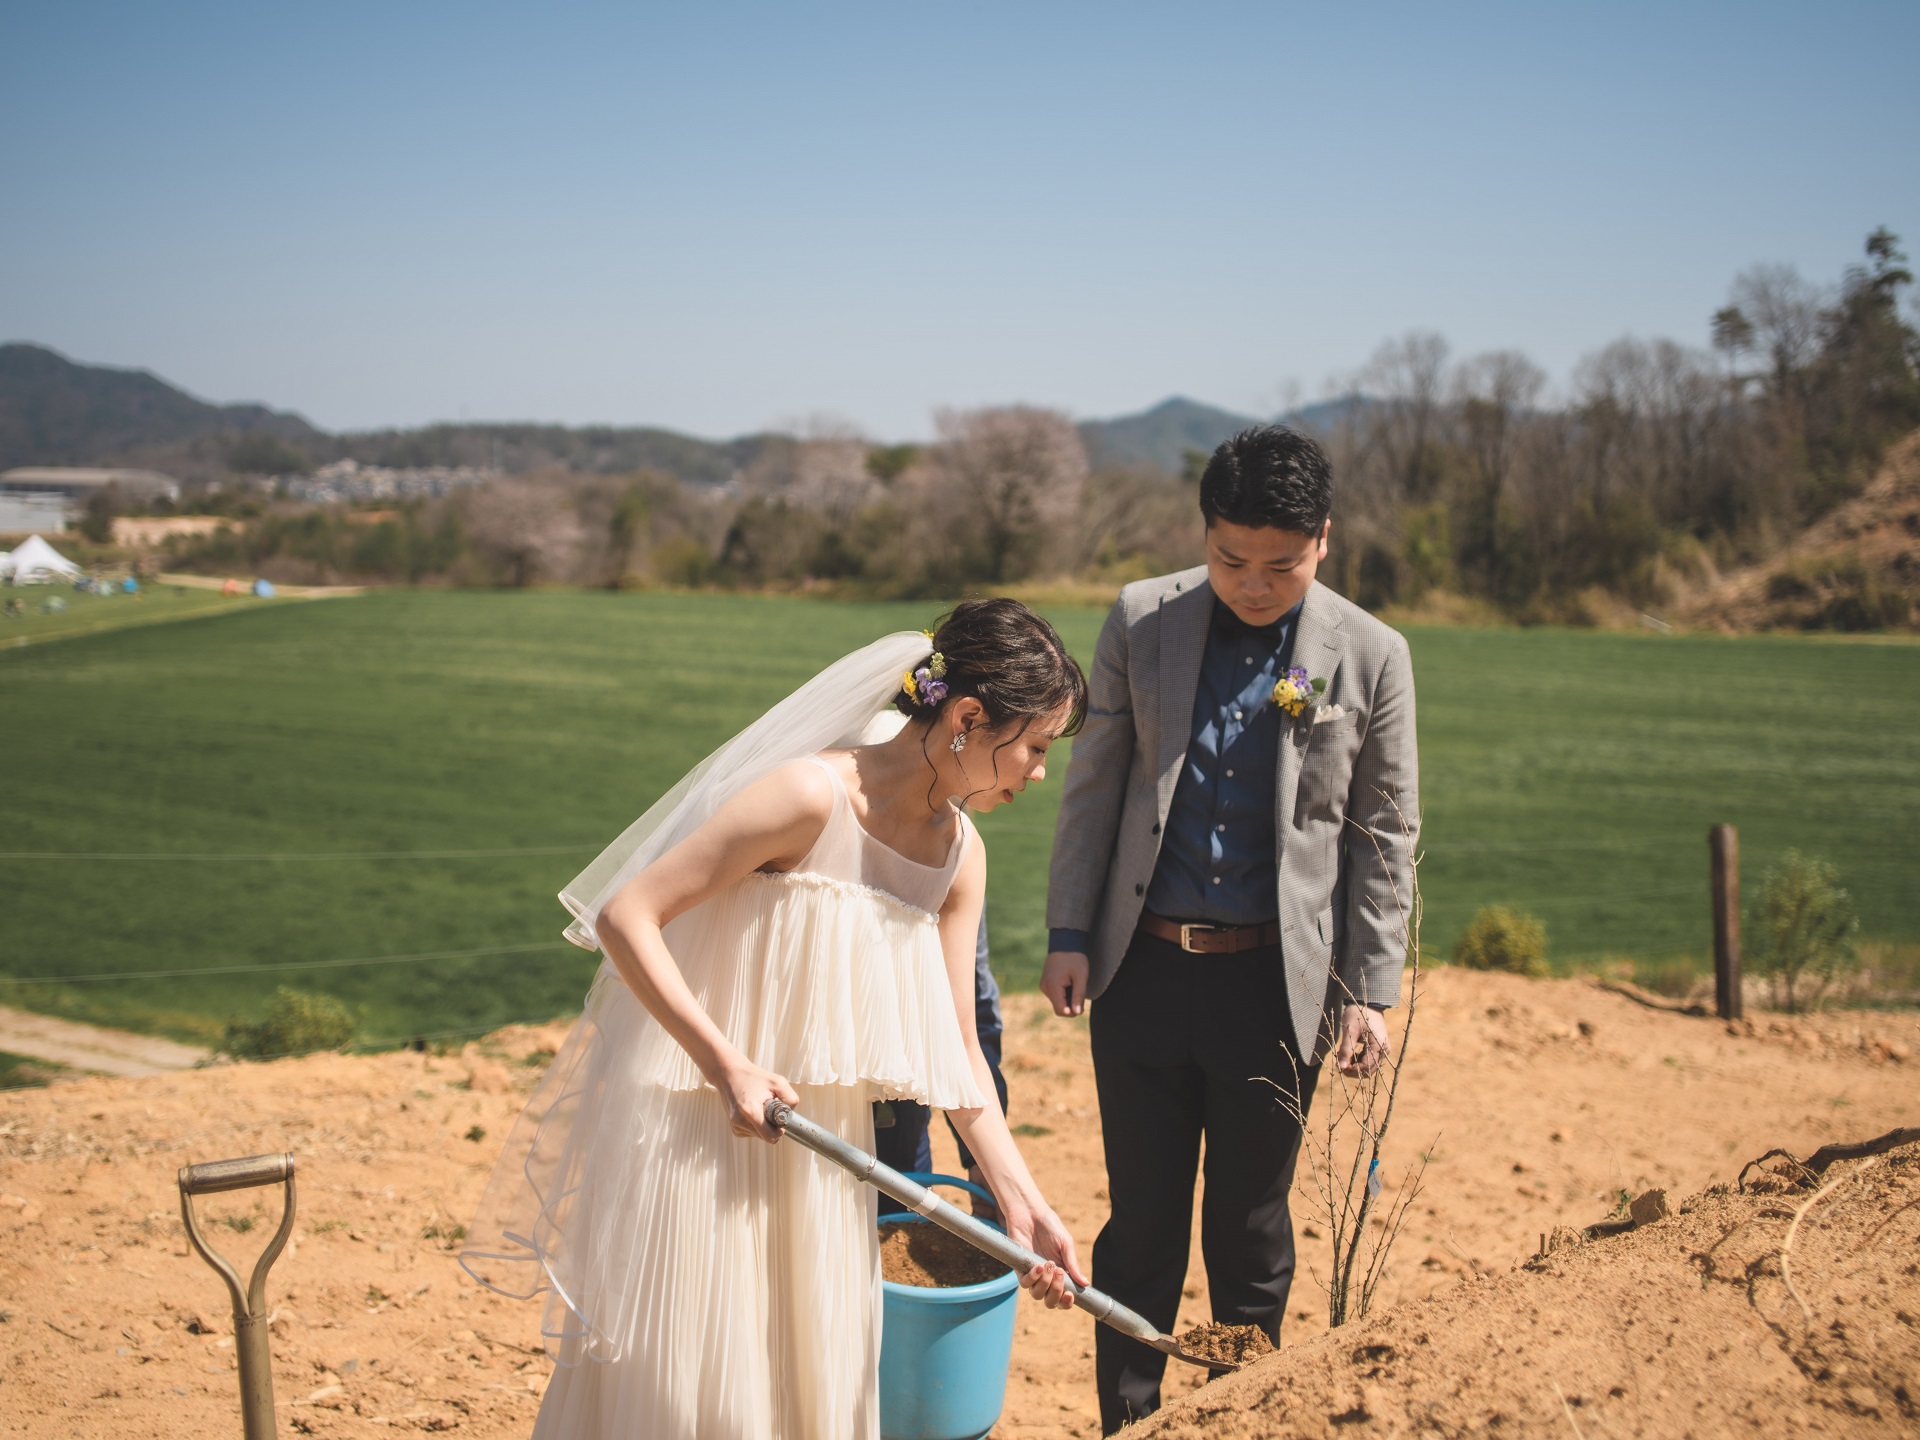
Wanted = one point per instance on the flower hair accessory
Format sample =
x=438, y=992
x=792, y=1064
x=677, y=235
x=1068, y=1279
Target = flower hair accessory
x=927, y=686
x=1294, y=692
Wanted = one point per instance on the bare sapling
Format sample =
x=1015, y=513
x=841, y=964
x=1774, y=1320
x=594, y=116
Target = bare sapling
x=1343, y=1151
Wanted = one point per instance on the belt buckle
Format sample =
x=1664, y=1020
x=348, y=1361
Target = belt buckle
x=1186, y=933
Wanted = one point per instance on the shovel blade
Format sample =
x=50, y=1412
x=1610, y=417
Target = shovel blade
x=1167, y=1345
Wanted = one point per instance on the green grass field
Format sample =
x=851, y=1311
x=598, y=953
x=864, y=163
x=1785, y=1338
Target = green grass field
x=415, y=773
x=93, y=614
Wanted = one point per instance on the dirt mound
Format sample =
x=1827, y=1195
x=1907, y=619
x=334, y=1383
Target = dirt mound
x=1708, y=1322
x=1857, y=569
x=1229, y=1344
x=916, y=1253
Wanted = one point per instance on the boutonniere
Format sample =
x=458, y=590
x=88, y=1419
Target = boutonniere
x=1293, y=692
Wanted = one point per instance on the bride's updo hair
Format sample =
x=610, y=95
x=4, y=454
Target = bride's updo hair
x=1007, y=658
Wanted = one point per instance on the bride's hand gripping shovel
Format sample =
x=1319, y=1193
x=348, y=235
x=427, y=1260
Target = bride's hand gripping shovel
x=922, y=1201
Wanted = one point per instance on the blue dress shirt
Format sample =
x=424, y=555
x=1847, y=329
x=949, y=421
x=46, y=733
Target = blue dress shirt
x=1218, y=858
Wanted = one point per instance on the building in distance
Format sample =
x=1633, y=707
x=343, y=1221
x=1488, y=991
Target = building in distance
x=140, y=532
x=54, y=497
x=349, y=481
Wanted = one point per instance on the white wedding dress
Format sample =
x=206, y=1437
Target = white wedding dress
x=702, y=1285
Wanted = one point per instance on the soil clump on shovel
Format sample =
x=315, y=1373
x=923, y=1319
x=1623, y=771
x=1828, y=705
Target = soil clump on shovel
x=932, y=1258
x=1234, y=1345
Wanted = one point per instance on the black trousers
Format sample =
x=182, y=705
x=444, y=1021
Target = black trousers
x=1184, y=1047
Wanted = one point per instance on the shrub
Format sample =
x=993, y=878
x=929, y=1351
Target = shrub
x=1500, y=938
x=682, y=560
x=1807, y=927
x=1677, y=976
x=296, y=1024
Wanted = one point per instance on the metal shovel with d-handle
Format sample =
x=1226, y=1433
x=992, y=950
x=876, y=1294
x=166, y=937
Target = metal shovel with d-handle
x=922, y=1201
x=250, y=1342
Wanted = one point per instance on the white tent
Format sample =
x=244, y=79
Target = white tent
x=37, y=563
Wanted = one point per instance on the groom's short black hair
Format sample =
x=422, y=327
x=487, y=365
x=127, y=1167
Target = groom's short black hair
x=1268, y=475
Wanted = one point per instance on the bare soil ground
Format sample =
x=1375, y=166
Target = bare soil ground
x=1540, y=1102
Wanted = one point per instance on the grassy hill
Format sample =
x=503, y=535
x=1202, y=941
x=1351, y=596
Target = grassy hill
x=1857, y=568
x=408, y=777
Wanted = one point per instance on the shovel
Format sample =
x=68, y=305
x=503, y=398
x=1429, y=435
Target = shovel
x=250, y=1341
x=922, y=1201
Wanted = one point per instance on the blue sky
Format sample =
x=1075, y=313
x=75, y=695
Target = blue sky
x=725, y=216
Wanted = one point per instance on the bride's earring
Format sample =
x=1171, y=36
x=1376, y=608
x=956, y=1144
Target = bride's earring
x=959, y=742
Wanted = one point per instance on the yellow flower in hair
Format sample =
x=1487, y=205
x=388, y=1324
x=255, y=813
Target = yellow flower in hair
x=906, y=684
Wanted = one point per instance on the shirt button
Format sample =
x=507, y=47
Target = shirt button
x=1216, y=879
x=1249, y=659
x=1229, y=774
x=1236, y=714
x=1219, y=827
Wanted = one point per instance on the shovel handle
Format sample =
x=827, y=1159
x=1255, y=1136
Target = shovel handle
x=211, y=1177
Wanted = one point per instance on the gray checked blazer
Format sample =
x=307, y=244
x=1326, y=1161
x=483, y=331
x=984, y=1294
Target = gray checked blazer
x=1345, y=868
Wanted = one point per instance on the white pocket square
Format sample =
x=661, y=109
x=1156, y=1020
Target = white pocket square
x=1323, y=713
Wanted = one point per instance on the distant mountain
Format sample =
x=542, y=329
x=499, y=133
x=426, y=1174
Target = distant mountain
x=55, y=412
x=587, y=449
x=1323, y=417
x=1161, y=436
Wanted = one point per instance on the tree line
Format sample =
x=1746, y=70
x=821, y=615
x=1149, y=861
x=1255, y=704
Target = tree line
x=1661, y=466
x=1003, y=495
x=1664, y=465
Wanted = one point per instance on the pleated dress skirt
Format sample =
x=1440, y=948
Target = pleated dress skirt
x=759, y=1294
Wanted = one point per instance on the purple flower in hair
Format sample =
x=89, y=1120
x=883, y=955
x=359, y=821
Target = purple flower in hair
x=928, y=690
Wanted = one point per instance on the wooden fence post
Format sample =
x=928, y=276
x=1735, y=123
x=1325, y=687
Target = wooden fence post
x=1723, y=841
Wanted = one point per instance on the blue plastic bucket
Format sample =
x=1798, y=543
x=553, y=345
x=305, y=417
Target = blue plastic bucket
x=944, y=1353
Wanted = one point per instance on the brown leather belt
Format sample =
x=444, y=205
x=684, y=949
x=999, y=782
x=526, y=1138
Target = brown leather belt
x=1210, y=939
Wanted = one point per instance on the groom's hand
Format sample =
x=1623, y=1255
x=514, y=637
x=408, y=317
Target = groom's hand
x=1364, y=1045
x=1063, y=980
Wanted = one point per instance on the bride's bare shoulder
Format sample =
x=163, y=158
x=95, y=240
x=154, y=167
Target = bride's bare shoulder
x=799, y=789
x=782, y=814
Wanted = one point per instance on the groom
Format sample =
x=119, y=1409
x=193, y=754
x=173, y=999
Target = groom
x=1229, y=870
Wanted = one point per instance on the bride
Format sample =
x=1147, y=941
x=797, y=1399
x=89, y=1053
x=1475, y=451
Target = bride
x=796, y=918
